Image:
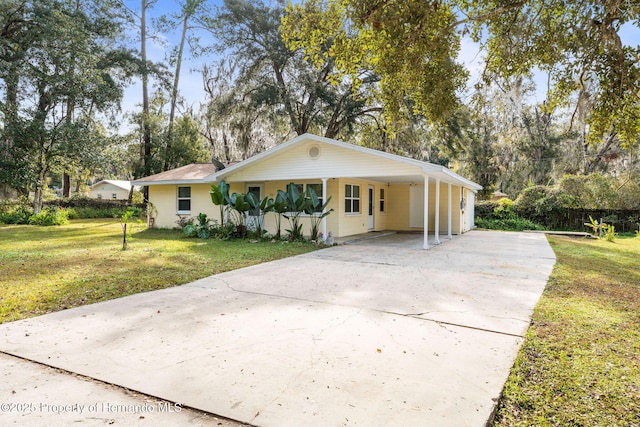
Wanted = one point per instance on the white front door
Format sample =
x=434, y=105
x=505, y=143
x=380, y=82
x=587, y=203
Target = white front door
x=371, y=206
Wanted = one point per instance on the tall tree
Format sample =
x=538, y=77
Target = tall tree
x=190, y=10
x=411, y=45
x=237, y=122
x=65, y=77
x=285, y=79
x=579, y=43
x=146, y=127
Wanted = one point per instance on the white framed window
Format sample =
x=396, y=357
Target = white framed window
x=351, y=198
x=99, y=195
x=114, y=196
x=184, y=199
x=382, y=203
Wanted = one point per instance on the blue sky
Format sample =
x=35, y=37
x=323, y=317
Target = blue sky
x=191, y=87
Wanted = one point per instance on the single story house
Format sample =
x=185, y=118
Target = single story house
x=370, y=190
x=110, y=189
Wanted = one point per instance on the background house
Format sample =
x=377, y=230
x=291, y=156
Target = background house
x=370, y=190
x=110, y=189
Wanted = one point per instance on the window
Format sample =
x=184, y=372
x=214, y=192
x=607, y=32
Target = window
x=382, y=206
x=352, y=198
x=184, y=199
x=317, y=188
x=99, y=195
x=114, y=196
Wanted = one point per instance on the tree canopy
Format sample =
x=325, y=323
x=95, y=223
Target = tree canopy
x=413, y=46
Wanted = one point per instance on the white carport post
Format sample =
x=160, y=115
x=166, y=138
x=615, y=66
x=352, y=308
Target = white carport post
x=449, y=213
x=437, y=225
x=425, y=245
x=324, y=200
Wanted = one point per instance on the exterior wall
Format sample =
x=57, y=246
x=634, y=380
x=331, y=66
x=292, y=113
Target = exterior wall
x=107, y=191
x=399, y=214
x=352, y=223
x=165, y=201
x=470, y=210
x=444, y=206
x=456, y=213
x=340, y=223
x=397, y=217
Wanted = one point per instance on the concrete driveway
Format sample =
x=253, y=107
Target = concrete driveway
x=379, y=332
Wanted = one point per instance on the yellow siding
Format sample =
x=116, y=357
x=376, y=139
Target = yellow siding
x=340, y=223
x=165, y=200
x=397, y=217
x=456, y=217
x=332, y=161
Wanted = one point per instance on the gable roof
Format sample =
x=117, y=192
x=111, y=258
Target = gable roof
x=399, y=168
x=125, y=185
x=413, y=170
x=189, y=174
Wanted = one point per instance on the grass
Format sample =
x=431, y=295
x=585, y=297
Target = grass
x=580, y=362
x=46, y=269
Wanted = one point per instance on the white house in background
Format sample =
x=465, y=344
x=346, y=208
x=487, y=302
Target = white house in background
x=110, y=189
x=370, y=190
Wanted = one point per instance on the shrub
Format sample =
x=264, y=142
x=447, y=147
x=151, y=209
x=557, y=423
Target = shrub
x=504, y=209
x=223, y=231
x=49, y=216
x=201, y=229
x=18, y=214
x=508, y=224
x=90, y=212
x=610, y=233
x=485, y=209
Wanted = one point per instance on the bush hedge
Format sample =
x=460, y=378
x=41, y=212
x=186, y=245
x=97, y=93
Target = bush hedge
x=566, y=206
x=59, y=211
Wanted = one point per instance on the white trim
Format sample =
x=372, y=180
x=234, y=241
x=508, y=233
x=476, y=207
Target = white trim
x=425, y=244
x=352, y=198
x=437, y=224
x=182, y=182
x=449, y=213
x=371, y=218
x=178, y=198
x=324, y=200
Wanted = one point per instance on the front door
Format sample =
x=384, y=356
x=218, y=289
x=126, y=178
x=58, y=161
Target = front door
x=371, y=206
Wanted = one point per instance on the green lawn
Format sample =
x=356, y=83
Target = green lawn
x=45, y=269
x=580, y=362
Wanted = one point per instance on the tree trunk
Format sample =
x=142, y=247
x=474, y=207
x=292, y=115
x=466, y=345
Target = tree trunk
x=174, y=92
x=66, y=184
x=146, y=129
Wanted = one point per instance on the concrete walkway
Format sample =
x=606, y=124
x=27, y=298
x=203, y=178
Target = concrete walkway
x=376, y=333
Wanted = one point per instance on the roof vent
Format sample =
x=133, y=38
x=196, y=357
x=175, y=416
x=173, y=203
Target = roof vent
x=314, y=152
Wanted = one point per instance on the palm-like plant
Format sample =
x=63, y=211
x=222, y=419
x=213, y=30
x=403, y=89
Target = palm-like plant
x=220, y=196
x=297, y=204
x=317, y=211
